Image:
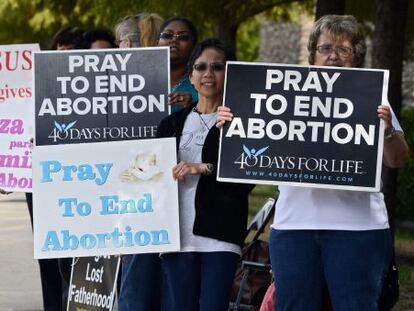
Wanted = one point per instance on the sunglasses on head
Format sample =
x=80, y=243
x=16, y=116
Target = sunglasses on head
x=204, y=66
x=179, y=37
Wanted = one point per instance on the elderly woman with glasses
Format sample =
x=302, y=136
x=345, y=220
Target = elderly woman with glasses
x=180, y=35
x=213, y=215
x=334, y=238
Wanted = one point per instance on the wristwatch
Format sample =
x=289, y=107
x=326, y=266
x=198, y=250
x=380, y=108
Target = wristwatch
x=209, y=169
x=389, y=133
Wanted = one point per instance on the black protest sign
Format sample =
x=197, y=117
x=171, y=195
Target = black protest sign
x=303, y=126
x=100, y=95
x=93, y=283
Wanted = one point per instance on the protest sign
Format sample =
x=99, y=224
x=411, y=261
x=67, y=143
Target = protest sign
x=16, y=116
x=105, y=198
x=303, y=126
x=100, y=95
x=93, y=283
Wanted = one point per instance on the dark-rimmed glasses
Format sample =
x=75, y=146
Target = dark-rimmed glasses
x=179, y=37
x=342, y=51
x=213, y=66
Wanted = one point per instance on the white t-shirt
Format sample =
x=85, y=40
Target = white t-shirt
x=195, y=130
x=326, y=209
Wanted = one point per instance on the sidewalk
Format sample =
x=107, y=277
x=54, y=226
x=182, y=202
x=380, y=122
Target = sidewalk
x=19, y=272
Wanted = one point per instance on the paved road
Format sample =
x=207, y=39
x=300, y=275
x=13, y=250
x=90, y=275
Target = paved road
x=19, y=273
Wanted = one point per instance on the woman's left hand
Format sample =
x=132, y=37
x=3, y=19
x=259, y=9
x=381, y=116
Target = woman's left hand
x=384, y=113
x=184, y=168
x=183, y=99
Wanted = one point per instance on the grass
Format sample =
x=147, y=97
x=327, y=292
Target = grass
x=404, y=248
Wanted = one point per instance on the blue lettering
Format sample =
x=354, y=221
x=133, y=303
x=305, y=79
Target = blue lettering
x=108, y=206
x=102, y=237
x=103, y=170
x=67, y=204
x=142, y=238
x=51, y=242
x=67, y=172
x=85, y=172
x=115, y=238
x=160, y=237
x=145, y=204
x=84, y=241
x=69, y=241
x=49, y=167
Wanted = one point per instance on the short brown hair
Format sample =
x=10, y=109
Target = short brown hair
x=339, y=26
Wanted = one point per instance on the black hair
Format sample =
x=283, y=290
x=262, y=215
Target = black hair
x=91, y=36
x=67, y=36
x=205, y=44
x=187, y=22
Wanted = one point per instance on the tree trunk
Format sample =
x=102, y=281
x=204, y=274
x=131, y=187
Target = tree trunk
x=387, y=53
x=324, y=7
x=227, y=34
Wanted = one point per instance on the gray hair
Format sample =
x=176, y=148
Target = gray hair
x=141, y=29
x=128, y=28
x=339, y=26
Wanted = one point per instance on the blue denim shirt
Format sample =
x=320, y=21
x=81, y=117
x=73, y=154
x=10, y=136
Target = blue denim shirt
x=184, y=85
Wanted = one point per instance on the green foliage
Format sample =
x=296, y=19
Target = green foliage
x=405, y=193
x=365, y=11
x=248, y=34
x=291, y=11
x=247, y=43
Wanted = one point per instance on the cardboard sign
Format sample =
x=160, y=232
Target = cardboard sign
x=100, y=95
x=93, y=283
x=16, y=116
x=105, y=198
x=303, y=126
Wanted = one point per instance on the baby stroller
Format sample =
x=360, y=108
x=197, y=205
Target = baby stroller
x=253, y=275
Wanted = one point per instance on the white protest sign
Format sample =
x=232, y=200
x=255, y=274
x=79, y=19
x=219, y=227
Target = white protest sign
x=105, y=198
x=16, y=116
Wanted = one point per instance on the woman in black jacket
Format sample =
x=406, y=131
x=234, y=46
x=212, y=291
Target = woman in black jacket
x=213, y=215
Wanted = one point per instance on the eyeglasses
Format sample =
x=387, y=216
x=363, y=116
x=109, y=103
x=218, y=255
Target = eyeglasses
x=204, y=66
x=179, y=37
x=342, y=51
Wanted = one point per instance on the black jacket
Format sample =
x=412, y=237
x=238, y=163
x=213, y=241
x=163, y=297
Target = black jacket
x=221, y=208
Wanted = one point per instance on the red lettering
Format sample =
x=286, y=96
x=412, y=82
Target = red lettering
x=22, y=92
x=15, y=60
x=28, y=59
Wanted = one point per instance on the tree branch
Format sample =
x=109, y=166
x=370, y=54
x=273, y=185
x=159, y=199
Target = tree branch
x=247, y=8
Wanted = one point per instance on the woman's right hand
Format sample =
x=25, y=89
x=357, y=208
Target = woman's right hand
x=223, y=115
x=183, y=99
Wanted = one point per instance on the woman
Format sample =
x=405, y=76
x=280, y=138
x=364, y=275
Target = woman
x=139, y=30
x=98, y=39
x=213, y=215
x=180, y=35
x=67, y=38
x=140, y=276
x=334, y=238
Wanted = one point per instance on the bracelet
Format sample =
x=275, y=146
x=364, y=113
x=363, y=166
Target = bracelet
x=389, y=133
